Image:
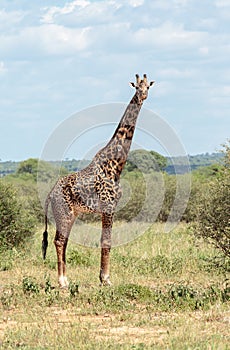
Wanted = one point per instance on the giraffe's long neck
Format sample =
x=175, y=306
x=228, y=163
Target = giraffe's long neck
x=126, y=127
x=114, y=155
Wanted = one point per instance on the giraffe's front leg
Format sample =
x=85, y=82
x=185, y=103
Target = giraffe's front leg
x=107, y=221
x=60, y=242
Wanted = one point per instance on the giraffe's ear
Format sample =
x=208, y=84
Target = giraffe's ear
x=132, y=85
x=151, y=83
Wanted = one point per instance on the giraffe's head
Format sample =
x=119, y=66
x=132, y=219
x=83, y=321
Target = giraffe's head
x=142, y=86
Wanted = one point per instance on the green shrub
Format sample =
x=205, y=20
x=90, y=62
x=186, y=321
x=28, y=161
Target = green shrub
x=30, y=286
x=8, y=259
x=32, y=168
x=213, y=213
x=78, y=258
x=135, y=292
x=16, y=225
x=73, y=289
x=213, y=209
x=52, y=295
x=169, y=195
x=142, y=196
x=109, y=298
x=132, y=200
x=7, y=298
x=151, y=197
x=177, y=296
x=27, y=191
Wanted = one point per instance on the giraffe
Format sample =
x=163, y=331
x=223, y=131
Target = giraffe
x=94, y=189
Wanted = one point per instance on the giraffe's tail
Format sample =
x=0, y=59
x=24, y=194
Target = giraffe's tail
x=45, y=233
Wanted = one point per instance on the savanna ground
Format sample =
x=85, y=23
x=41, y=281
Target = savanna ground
x=170, y=291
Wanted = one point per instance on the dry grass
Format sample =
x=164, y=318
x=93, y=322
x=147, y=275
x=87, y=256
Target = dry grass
x=143, y=310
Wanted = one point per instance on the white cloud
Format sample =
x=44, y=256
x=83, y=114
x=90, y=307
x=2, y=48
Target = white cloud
x=10, y=20
x=208, y=23
x=169, y=4
x=60, y=40
x=84, y=26
x=222, y=3
x=92, y=48
x=136, y=3
x=82, y=11
x=204, y=50
x=170, y=35
x=180, y=3
x=223, y=7
x=3, y=68
x=68, y=8
x=159, y=4
x=45, y=40
x=220, y=91
x=172, y=73
x=163, y=88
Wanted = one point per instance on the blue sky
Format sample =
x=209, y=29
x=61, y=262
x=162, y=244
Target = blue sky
x=58, y=58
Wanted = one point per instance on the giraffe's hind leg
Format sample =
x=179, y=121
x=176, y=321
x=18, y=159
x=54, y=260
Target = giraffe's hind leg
x=60, y=242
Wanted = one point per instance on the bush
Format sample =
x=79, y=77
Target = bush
x=27, y=191
x=169, y=196
x=15, y=223
x=213, y=210
x=133, y=189
x=32, y=168
x=142, y=197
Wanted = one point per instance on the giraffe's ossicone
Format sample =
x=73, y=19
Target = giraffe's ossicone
x=95, y=189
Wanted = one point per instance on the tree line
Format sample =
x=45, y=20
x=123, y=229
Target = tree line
x=149, y=191
x=167, y=164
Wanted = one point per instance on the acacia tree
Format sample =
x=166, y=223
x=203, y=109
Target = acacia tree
x=29, y=170
x=145, y=161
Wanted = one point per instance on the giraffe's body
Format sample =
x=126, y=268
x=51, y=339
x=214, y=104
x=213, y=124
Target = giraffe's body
x=96, y=188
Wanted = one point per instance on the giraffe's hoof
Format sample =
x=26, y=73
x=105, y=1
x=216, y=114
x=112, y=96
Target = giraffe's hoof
x=63, y=282
x=63, y=287
x=105, y=281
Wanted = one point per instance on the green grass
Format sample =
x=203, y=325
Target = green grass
x=170, y=291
